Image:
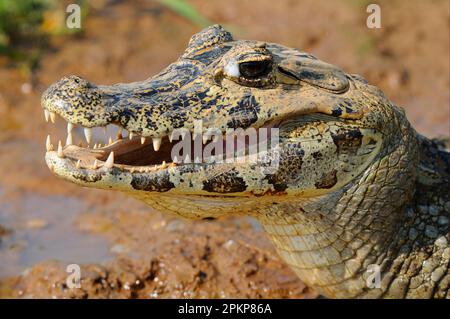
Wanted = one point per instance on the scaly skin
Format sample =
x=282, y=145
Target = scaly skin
x=356, y=187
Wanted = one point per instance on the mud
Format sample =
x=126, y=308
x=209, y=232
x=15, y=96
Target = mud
x=127, y=250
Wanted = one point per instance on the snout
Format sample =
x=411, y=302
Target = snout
x=77, y=101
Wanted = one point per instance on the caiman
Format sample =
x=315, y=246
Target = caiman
x=357, y=203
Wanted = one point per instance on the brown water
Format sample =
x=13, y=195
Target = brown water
x=42, y=228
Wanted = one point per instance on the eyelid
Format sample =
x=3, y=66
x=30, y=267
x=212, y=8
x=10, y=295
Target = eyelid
x=254, y=58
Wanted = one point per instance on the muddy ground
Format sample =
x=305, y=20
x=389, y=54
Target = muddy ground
x=126, y=249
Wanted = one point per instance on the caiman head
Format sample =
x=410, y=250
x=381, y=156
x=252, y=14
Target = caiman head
x=329, y=127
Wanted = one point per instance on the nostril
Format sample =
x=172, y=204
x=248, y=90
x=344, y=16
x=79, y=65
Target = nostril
x=74, y=81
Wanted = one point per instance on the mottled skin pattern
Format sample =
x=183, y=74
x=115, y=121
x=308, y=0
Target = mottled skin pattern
x=356, y=185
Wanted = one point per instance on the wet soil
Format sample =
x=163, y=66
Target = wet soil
x=127, y=250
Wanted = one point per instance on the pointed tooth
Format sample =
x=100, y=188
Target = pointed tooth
x=120, y=134
x=95, y=164
x=52, y=117
x=48, y=144
x=156, y=143
x=69, y=127
x=163, y=165
x=187, y=159
x=69, y=139
x=60, y=150
x=46, y=115
x=205, y=138
x=142, y=169
x=78, y=164
x=110, y=140
x=88, y=134
x=131, y=135
x=142, y=140
x=183, y=134
x=170, y=137
x=95, y=146
x=110, y=161
x=175, y=159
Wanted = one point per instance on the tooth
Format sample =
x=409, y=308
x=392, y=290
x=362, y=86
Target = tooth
x=95, y=146
x=187, y=159
x=48, y=144
x=142, y=140
x=69, y=139
x=170, y=137
x=175, y=159
x=110, y=161
x=110, y=140
x=69, y=127
x=52, y=117
x=132, y=170
x=131, y=135
x=88, y=134
x=95, y=164
x=183, y=135
x=47, y=115
x=156, y=143
x=60, y=150
x=164, y=165
x=205, y=138
x=142, y=169
x=78, y=165
x=119, y=134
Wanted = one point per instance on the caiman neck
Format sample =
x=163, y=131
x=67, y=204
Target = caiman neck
x=332, y=240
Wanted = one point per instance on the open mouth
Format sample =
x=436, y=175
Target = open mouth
x=134, y=153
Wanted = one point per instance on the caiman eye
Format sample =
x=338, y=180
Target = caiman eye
x=254, y=69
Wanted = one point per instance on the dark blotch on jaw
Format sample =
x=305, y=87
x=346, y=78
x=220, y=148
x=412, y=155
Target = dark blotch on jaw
x=291, y=161
x=159, y=183
x=87, y=178
x=227, y=182
x=328, y=180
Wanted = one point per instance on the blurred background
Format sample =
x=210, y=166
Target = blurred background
x=125, y=249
